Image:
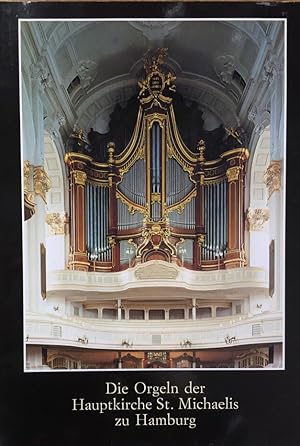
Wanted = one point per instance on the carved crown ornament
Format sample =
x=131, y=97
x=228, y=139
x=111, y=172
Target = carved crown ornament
x=257, y=218
x=158, y=83
x=57, y=223
x=272, y=177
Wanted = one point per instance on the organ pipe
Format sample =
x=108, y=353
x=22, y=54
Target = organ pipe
x=97, y=223
x=215, y=204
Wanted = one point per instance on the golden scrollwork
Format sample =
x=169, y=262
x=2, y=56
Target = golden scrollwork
x=272, y=177
x=179, y=207
x=200, y=239
x=111, y=240
x=156, y=230
x=131, y=242
x=139, y=154
x=57, y=223
x=257, y=218
x=233, y=173
x=132, y=207
x=41, y=182
x=80, y=177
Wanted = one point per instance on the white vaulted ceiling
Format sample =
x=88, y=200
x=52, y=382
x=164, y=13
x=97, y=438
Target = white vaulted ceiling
x=103, y=59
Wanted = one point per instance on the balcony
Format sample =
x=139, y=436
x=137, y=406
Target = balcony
x=155, y=335
x=147, y=278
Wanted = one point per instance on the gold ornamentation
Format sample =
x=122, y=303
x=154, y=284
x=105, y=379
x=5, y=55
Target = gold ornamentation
x=153, y=61
x=131, y=242
x=257, y=218
x=201, y=147
x=156, y=230
x=201, y=240
x=139, y=154
x=80, y=177
x=272, y=177
x=111, y=151
x=157, y=80
x=233, y=173
x=234, y=134
x=155, y=198
x=111, y=241
x=179, y=207
x=132, y=207
x=41, y=182
x=57, y=223
x=79, y=134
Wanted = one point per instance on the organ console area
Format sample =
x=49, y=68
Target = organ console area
x=156, y=198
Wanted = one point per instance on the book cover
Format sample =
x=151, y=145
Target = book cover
x=149, y=223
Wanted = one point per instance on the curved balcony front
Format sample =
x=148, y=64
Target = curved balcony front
x=145, y=279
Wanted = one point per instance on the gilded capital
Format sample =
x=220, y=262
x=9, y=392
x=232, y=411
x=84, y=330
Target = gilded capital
x=80, y=177
x=272, y=177
x=57, y=223
x=257, y=218
x=232, y=173
x=41, y=182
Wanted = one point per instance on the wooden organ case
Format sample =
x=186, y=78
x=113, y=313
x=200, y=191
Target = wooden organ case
x=156, y=199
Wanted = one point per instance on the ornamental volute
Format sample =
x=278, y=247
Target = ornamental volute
x=272, y=177
x=41, y=182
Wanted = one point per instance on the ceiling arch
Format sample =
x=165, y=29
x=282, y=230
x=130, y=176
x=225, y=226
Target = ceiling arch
x=97, y=62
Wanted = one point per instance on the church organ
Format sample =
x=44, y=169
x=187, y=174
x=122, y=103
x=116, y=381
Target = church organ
x=156, y=198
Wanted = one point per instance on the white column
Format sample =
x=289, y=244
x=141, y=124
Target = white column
x=194, y=310
x=119, y=303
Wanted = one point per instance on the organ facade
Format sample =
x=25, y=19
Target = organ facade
x=157, y=199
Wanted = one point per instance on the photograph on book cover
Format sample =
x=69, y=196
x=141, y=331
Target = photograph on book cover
x=153, y=166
